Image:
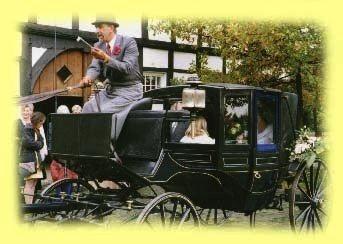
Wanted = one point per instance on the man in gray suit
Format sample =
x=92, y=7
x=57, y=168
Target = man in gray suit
x=115, y=58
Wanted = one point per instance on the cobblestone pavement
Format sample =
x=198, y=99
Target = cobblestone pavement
x=266, y=218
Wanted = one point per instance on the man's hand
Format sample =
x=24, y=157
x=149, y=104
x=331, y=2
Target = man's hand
x=99, y=54
x=86, y=81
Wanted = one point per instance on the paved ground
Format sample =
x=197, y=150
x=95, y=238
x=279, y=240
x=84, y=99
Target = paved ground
x=267, y=218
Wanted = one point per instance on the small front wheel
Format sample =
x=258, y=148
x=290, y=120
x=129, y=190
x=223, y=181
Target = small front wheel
x=58, y=193
x=169, y=210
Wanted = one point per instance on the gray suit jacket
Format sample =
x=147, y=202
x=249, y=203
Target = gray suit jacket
x=122, y=68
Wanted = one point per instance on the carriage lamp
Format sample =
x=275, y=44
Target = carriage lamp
x=193, y=99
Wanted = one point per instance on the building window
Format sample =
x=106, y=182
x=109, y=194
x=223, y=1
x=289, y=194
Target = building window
x=152, y=80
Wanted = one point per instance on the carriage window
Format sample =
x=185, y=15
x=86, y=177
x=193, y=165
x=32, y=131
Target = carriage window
x=177, y=130
x=157, y=105
x=266, y=123
x=180, y=131
x=236, y=119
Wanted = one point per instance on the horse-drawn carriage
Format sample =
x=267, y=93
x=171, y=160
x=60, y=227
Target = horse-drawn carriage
x=242, y=171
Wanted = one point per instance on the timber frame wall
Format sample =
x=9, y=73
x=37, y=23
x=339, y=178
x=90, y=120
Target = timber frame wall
x=55, y=39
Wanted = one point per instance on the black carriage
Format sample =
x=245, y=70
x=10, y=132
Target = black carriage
x=241, y=171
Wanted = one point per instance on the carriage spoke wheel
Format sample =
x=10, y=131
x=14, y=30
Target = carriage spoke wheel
x=169, y=210
x=213, y=216
x=307, y=198
x=73, y=189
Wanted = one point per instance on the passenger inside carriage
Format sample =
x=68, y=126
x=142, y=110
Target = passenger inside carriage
x=201, y=135
x=177, y=129
x=265, y=119
x=264, y=130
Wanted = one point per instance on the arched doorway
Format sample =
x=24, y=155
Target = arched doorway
x=66, y=69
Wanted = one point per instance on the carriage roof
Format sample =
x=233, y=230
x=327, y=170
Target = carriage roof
x=172, y=91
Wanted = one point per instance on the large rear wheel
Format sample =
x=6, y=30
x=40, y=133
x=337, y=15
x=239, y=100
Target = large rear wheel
x=307, y=198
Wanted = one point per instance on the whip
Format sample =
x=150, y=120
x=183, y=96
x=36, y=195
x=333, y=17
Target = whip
x=80, y=39
x=45, y=95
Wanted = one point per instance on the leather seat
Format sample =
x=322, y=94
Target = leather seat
x=142, y=104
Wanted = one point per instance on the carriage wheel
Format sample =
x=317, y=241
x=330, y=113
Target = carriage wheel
x=213, y=216
x=75, y=189
x=307, y=197
x=169, y=210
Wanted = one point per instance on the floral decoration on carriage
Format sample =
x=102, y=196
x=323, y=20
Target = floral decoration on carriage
x=306, y=147
x=236, y=120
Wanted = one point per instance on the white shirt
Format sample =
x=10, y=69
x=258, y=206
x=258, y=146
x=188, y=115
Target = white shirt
x=44, y=151
x=266, y=136
x=111, y=43
x=203, y=139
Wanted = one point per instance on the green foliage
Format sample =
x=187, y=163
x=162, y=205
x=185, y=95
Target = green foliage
x=177, y=81
x=266, y=54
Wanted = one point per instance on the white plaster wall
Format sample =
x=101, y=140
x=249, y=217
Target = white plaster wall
x=215, y=63
x=157, y=107
x=183, y=76
x=183, y=60
x=127, y=26
x=37, y=53
x=130, y=27
x=155, y=58
x=163, y=80
x=159, y=37
x=85, y=23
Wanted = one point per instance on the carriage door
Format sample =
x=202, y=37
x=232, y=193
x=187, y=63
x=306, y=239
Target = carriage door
x=237, y=150
x=266, y=141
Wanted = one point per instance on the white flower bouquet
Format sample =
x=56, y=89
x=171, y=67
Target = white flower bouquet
x=306, y=148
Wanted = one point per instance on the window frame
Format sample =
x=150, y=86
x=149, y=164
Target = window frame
x=179, y=145
x=239, y=93
x=273, y=147
x=155, y=83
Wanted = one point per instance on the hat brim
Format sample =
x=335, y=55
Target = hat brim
x=96, y=23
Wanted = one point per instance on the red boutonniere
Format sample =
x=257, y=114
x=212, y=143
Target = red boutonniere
x=116, y=50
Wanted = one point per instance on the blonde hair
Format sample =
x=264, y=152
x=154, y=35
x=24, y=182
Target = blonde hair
x=63, y=109
x=76, y=109
x=29, y=105
x=200, y=127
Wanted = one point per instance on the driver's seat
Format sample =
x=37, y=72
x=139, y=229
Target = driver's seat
x=142, y=104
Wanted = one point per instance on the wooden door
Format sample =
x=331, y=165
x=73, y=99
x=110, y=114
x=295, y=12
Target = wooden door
x=67, y=69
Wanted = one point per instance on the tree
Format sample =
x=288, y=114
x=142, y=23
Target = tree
x=287, y=56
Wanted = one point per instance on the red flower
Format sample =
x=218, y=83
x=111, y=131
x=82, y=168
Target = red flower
x=116, y=50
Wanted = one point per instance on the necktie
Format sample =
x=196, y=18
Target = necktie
x=108, y=49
